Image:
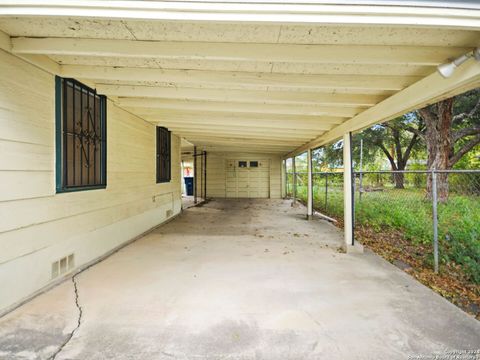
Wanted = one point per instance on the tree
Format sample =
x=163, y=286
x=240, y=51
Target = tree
x=328, y=157
x=396, y=143
x=377, y=139
x=452, y=129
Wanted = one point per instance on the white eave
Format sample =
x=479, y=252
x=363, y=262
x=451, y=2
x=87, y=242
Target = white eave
x=452, y=14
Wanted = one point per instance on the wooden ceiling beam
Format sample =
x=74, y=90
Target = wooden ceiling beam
x=246, y=130
x=301, y=127
x=302, y=123
x=296, y=53
x=242, y=140
x=264, y=97
x=187, y=78
x=241, y=134
x=335, y=113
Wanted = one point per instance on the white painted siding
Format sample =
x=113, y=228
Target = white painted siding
x=216, y=171
x=38, y=226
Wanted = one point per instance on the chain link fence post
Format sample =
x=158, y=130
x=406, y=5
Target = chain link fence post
x=435, y=220
x=360, y=189
x=326, y=191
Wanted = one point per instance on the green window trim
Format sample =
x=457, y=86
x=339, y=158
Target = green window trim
x=79, y=134
x=163, y=155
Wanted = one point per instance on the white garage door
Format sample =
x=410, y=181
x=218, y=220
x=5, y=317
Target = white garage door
x=248, y=178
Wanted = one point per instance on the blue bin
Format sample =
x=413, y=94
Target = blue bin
x=189, y=185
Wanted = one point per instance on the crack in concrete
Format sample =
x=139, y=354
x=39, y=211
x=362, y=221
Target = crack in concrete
x=79, y=320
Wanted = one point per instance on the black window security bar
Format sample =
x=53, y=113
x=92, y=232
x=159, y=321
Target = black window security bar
x=163, y=155
x=81, y=136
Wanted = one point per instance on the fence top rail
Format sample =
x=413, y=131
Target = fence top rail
x=389, y=172
x=417, y=171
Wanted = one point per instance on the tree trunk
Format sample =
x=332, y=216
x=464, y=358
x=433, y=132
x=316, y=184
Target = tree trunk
x=399, y=180
x=438, y=121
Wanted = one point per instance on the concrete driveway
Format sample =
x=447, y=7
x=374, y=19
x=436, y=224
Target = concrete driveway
x=244, y=279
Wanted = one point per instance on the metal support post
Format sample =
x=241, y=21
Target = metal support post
x=309, y=186
x=204, y=175
x=294, y=189
x=195, y=175
x=347, y=189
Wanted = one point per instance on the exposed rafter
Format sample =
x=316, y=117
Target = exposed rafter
x=268, y=97
x=240, y=140
x=312, y=82
x=244, y=129
x=226, y=142
x=237, y=130
x=353, y=54
x=278, y=137
x=166, y=106
x=248, y=119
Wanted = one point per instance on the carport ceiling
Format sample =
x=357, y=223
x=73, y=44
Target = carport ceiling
x=251, y=77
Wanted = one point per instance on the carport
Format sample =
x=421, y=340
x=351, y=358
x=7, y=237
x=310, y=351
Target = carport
x=238, y=279
x=266, y=78
x=247, y=85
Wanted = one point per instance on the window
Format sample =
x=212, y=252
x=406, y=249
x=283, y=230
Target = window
x=242, y=164
x=163, y=155
x=81, y=149
x=253, y=164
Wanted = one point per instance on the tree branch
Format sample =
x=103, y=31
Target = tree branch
x=398, y=145
x=387, y=125
x=469, y=114
x=417, y=132
x=457, y=135
x=389, y=156
x=410, y=146
x=466, y=148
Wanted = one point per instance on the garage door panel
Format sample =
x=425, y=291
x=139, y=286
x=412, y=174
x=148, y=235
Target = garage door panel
x=247, y=182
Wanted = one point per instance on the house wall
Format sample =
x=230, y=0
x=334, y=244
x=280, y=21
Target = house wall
x=216, y=168
x=38, y=226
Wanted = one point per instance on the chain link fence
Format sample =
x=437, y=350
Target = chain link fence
x=438, y=211
x=289, y=185
x=328, y=194
x=327, y=191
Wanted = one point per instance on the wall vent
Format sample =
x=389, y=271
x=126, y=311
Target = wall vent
x=63, y=265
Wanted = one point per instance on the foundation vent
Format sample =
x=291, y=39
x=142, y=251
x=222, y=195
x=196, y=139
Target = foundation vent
x=63, y=265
